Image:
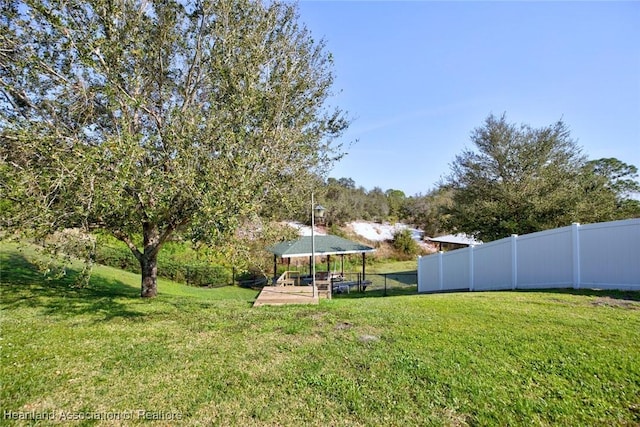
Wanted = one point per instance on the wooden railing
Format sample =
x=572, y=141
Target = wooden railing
x=289, y=278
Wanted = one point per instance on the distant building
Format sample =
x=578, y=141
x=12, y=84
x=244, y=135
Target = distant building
x=453, y=241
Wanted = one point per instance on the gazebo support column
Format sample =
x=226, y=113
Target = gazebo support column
x=275, y=269
x=363, y=266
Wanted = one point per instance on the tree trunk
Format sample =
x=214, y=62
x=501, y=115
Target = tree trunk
x=149, y=269
x=149, y=260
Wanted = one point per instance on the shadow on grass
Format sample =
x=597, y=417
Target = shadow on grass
x=409, y=278
x=602, y=293
x=379, y=292
x=24, y=286
x=376, y=292
x=399, y=283
x=630, y=296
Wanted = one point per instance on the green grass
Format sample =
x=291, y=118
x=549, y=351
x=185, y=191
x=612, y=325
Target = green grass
x=393, y=267
x=494, y=358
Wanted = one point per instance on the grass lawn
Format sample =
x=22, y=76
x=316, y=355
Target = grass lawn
x=393, y=267
x=208, y=357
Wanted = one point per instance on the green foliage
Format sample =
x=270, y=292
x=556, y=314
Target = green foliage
x=147, y=119
x=521, y=180
x=191, y=273
x=246, y=250
x=429, y=212
x=195, y=275
x=179, y=262
x=403, y=242
x=335, y=230
x=344, y=202
x=621, y=180
x=395, y=200
x=117, y=257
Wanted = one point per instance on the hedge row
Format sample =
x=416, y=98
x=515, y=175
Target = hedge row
x=195, y=275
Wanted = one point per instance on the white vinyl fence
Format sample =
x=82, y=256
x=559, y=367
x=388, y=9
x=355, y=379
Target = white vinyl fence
x=603, y=255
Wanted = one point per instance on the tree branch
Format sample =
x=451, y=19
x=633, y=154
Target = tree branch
x=127, y=240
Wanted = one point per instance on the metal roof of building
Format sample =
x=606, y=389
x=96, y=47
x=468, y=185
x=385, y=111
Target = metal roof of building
x=456, y=239
x=324, y=245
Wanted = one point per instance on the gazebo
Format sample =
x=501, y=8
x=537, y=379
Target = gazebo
x=324, y=246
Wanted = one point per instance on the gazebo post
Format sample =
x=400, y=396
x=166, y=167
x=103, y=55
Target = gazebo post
x=275, y=269
x=328, y=264
x=363, y=266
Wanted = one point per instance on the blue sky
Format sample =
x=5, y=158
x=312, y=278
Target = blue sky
x=418, y=77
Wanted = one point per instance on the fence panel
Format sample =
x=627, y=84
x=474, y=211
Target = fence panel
x=604, y=255
x=492, y=267
x=428, y=273
x=455, y=270
x=545, y=259
x=610, y=255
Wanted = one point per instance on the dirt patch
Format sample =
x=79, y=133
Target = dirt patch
x=368, y=338
x=616, y=303
x=343, y=326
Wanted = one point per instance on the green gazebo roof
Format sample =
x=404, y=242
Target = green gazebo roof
x=324, y=245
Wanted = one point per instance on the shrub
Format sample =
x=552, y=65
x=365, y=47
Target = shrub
x=121, y=258
x=403, y=243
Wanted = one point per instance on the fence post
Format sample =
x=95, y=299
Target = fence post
x=418, y=274
x=440, y=272
x=575, y=245
x=385, y=284
x=471, y=267
x=514, y=261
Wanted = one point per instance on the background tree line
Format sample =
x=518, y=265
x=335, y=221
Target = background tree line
x=516, y=180
x=345, y=202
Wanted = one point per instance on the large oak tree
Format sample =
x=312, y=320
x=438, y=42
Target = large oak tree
x=144, y=118
x=520, y=179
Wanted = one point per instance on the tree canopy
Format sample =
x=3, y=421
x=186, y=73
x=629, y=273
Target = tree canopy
x=622, y=180
x=520, y=180
x=145, y=118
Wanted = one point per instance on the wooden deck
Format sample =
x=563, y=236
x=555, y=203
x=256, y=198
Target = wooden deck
x=281, y=295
